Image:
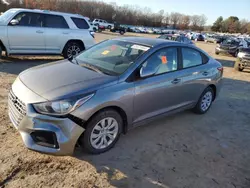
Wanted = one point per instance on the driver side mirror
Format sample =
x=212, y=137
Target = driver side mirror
x=14, y=22
x=146, y=71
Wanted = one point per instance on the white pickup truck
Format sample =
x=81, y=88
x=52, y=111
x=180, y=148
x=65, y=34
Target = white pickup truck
x=104, y=23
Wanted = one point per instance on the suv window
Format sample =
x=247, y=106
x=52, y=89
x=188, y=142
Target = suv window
x=162, y=61
x=191, y=57
x=80, y=23
x=29, y=19
x=55, y=21
x=100, y=21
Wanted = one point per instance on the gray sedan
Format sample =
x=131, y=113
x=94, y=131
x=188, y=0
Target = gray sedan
x=108, y=89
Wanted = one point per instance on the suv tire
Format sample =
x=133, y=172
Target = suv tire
x=205, y=101
x=109, y=26
x=96, y=132
x=72, y=49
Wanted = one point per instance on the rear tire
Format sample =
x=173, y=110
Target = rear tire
x=217, y=53
x=90, y=139
x=205, y=101
x=72, y=49
x=236, y=53
x=109, y=26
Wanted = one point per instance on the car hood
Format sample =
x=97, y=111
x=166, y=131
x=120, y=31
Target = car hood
x=64, y=79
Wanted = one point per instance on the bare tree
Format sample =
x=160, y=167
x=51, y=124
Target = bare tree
x=175, y=18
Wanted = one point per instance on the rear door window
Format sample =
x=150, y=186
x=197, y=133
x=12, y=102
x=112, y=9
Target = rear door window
x=80, y=23
x=55, y=21
x=191, y=57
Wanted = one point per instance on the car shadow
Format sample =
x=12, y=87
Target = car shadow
x=226, y=63
x=15, y=65
x=184, y=149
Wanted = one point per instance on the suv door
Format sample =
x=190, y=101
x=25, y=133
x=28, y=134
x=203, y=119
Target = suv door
x=194, y=74
x=57, y=33
x=28, y=35
x=160, y=93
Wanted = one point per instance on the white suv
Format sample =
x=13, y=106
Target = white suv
x=103, y=23
x=40, y=32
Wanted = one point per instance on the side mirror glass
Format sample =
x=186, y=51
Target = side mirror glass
x=14, y=22
x=146, y=71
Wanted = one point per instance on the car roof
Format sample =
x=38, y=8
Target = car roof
x=48, y=12
x=146, y=41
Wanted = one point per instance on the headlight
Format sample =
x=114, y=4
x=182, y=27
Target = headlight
x=61, y=107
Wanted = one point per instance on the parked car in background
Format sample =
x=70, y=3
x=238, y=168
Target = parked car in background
x=213, y=38
x=118, y=29
x=243, y=60
x=198, y=37
x=179, y=38
x=40, y=32
x=93, y=27
x=229, y=46
x=107, y=90
x=244, y=53
x=183, y=39
x=166, y=36
x=104, y=23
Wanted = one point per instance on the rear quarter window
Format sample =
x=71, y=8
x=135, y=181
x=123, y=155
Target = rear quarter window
x=55, y=21
x=80, y=23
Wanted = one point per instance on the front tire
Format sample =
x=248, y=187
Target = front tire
x=205, y=101
x=102, y=132
x=72, y=49
x=236, y=53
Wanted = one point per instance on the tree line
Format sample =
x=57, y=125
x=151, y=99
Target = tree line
x=231, y=25
x=125, y=14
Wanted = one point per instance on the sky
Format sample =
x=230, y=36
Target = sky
x=211, y=8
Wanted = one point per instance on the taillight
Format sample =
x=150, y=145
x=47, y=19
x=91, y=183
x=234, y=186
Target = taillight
x=220, y=69
x=92, y=33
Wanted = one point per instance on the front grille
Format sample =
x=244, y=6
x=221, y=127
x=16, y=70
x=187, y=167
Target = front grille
x=17, y=109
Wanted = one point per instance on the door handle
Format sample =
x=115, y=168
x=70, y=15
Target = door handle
x=176, y=81
x=65, y=33
x=39, y=31
x=205, y=73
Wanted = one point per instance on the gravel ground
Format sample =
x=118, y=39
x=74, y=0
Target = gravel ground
x=184, y=150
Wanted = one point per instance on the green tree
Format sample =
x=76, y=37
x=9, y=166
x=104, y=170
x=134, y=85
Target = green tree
x=217, y=26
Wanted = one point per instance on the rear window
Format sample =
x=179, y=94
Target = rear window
x=54, y=21
x=80, y=23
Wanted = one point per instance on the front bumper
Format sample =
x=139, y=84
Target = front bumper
x=229, y=51
x=244, y=63
x=62, y=133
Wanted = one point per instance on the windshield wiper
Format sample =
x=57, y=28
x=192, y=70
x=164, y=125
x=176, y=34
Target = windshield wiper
x=90, y=67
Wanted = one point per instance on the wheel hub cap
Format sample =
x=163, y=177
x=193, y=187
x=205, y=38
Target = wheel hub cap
x=104, y=133
x=206, y=100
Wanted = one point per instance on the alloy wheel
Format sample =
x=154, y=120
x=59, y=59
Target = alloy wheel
x=104, y=133
x=73, y=51
x=206, y=100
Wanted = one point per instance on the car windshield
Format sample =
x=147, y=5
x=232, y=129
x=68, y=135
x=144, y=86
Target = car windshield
x=6, y=16
x=111, y=57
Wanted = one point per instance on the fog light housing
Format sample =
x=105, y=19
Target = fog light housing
x=45, y=138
